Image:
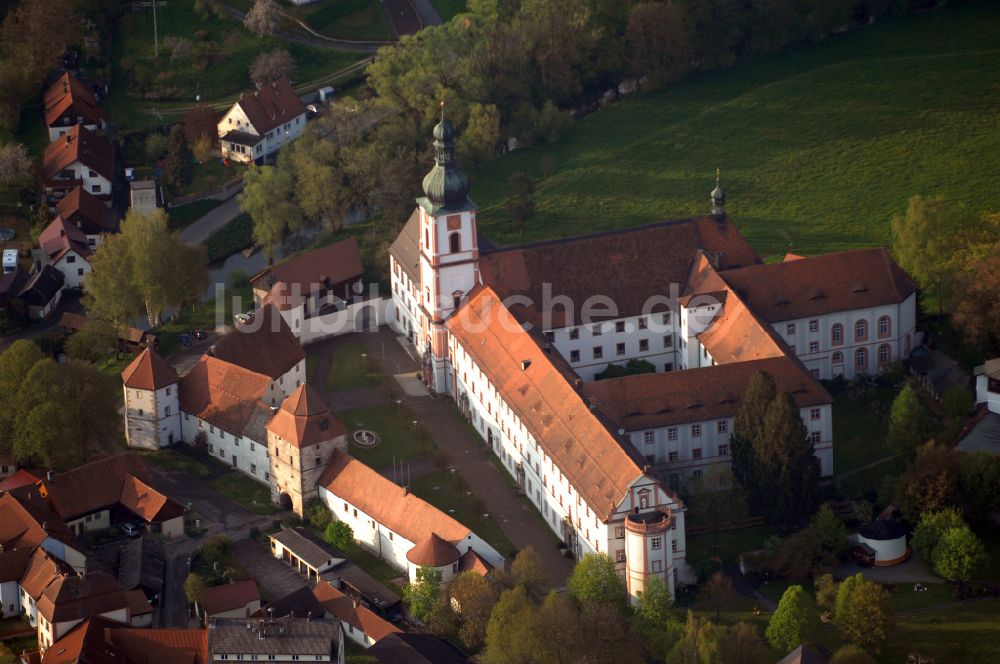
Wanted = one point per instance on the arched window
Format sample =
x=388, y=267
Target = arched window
x=884, y=355
x=861, y=358
x=837, y=334
x=838, y=357
x=427, y=238
x=455, y=242
x=861, y=330
x=884, y=327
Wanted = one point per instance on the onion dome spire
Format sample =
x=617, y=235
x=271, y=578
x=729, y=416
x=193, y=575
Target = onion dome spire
x=718, y=197
x=446, y=185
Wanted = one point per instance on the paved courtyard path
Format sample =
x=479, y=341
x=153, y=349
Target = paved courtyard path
x=467, y=451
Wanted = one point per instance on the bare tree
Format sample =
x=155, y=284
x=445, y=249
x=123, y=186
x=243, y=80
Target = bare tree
x=263, y=18
x=14, y=162
x=271, y=66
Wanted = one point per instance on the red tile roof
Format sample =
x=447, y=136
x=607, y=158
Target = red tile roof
x=325, y=267
x=85, y=644
x=601, y=467
x=42, y=570
x=473, y=562
x=68, y=93
x=148, y=371
x=344, y=608
x=79, y=597
x=81, y=208
x=162, y=646
x=386, y=502
x=21, y=478
x=620, y=264
x=265, y=345
x=695, y=395
x=820, y=285
x=147, y=503
x=60, y=237
x=138, y=603
x=79, y=145
x=272, y=106
x=227, y=396
x=432, y=551
x=230, y=596
x=304, y=419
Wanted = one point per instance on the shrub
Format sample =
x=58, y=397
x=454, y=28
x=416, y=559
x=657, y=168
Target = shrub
x=234, y=236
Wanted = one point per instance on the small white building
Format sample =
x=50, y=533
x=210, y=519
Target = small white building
x=258, y=124
x=152, y=408
x=883, y=541
x=66, y=248
x=81, y=158
x=390, y=521
x=70, y=102
x=988, y=385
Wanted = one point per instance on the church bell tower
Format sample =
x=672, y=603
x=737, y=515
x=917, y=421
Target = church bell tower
x=449, y=253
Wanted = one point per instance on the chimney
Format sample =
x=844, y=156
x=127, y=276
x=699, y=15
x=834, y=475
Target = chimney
x=720, y=260
x=406, y=490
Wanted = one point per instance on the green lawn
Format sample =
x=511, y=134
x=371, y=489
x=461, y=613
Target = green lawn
x=859, y=429
x=220, y=52
x=207, y=175
x=356, y=654
x=444, y=490
x=970, y=633
x=449, y=8
x=348, y=369
x=183, y=215
x=400, y=438
x=348, y=19
x=177, y=462
x=249, y=493
x=818, y=146
x=727, y=545
x=235, y=236
x=203, y=315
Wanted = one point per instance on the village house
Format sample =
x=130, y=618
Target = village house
x=70, y=102
x=33, y=296
x=988, y=385
x=260, y=123
x=101, y=640
x=82, y=209
x=276, y=640
x=413, y=648
x=145, y=196
x=320, y=293
x=65, y=248
x=237, y=599
x=81, y=158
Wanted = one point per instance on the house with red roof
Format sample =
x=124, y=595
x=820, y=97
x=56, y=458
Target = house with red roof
x=69, y=102
x=81, y=158
x=66, y=248
x=260, y=123
x=236, y=599
x=152, y=405
x=82, y=209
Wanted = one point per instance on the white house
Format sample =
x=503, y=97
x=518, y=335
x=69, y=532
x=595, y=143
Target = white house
x=81, y=158
x=70, y=102
x=397, y=526
x=66, y=248
x=988, y=385
x=258, y=124
x=152, y=407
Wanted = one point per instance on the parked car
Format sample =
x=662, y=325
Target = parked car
x=131, y=529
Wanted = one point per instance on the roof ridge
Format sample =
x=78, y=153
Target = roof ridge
x=598, y=234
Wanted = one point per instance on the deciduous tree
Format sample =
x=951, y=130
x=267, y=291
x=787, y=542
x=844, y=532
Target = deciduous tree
x=701, y=642
x=657, y=42
x=15, y=165
x=981, y=484
x=930, y=482
x=959, y=554
x=110, y=292
x=93, y=343
x=513, y=634
x=472, y=598
x=864, y=612
x=263, y=18
x=177, y=165
x=421, y=595
x=744, y=645
x=338, y=534
x=595, y=579
x=526, y=571
x=267, y=198
x=977, y=309
x=270, y=66
x=851, y=654
x=932, y=526
x=794, y=622
x=910, y=424
x=656, y=622
x=520, y=206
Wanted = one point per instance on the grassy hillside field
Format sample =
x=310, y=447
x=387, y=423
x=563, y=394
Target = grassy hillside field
x=818, y=146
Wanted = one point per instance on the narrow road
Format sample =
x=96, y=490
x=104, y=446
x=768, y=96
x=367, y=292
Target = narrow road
x=330, y=43
x=427, y=13
x=201, y=229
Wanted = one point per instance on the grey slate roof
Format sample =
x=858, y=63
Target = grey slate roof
x=984, y=436
x=312, y=552
x=285, y=636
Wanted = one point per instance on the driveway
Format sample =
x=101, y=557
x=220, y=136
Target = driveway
x=275, y=578
x=201, y=229
x=913, y=570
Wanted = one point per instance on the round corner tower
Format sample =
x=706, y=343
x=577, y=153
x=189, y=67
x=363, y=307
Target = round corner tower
x=648, y=551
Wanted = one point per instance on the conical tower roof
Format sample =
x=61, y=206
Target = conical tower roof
x=148, y=371
x=433, y=551
x=304, y=419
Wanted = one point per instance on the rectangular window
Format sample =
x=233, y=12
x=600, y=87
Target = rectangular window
x=71, y=258
x=673, y=545
x=167, y=410
x=696, y=453
x=672, y=457
x=814, y=326
x=814, y=437
x=550, y=336
x=790, y=328
x=695, y=430
x=620, y=556
x=668, y=367
x=672, y=433
x=620, y=326
x=722, y=426
x=619, y=349
x=596, y=330
x=574, y=356
x=649, y=437
x=724, y=449
x=657, y=543
x=643, y=324
x=574, y=333
x=643, y=345
x=620, y=532
x=95, y=188
x=598, y=352
x=668, y=341
x=815, y=413
x=813, y=346
x=253, y=469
